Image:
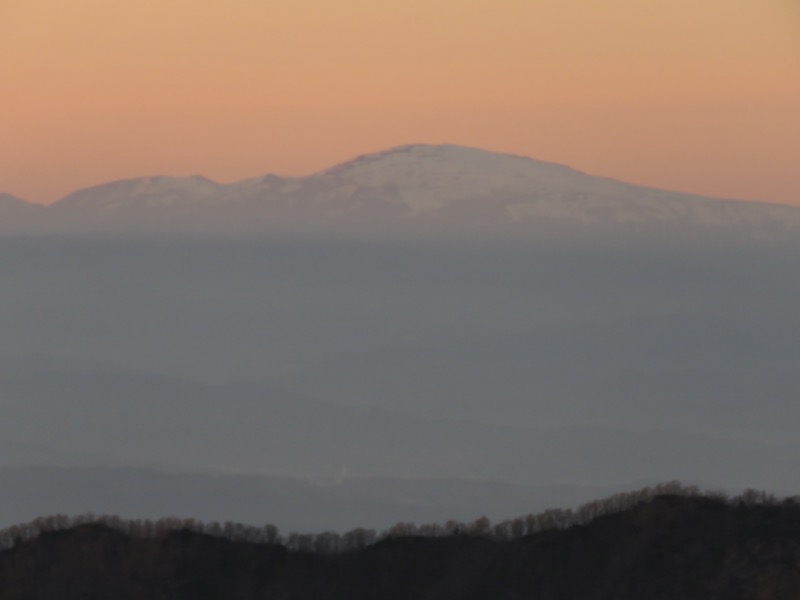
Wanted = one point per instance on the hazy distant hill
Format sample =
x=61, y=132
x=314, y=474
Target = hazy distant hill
x=409, y=190
x=542, y=363
x=338, y=502
x=9, y=203
x=18, y=216
x=125, y=421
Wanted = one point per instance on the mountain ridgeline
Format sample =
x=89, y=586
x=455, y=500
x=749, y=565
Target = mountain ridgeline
x=665, y=542
x=418, y=190
x=419, y=334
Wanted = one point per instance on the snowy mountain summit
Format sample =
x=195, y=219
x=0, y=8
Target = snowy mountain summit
x=428, y=189
x=425, y=179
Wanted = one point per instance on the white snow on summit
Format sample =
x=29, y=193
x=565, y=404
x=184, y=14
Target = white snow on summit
x=430, y=186
x=426, y=178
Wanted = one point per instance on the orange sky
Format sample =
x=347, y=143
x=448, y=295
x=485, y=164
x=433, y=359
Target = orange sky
x=687, y=95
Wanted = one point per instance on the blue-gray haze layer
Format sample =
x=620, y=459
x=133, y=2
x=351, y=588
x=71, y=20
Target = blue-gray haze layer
x=408, y=356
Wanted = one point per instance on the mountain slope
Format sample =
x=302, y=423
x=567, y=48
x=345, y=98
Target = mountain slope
x=151, y=192
x=409, y=189
x=9, y=202
x=17, y=214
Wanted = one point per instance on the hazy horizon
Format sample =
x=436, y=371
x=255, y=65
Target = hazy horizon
x=538, y=364
x=419, y=323
x=353, y=159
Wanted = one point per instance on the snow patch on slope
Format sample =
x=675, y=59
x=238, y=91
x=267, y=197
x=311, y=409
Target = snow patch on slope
x=428, y=178
x=154, y=192
x=430, y=186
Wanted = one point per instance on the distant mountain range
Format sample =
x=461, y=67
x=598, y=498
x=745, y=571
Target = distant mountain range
x=418, y=189
x=291, y=503
x=188, y=339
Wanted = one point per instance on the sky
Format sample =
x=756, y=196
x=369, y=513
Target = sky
x=694, y=96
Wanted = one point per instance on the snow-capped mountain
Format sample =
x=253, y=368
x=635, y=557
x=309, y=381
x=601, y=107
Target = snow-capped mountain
x=149, y=192
x=414, y=188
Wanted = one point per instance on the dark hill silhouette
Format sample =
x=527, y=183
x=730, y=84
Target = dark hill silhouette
x=632, y=546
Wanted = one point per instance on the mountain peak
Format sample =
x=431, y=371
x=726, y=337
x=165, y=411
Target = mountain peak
x=434, y=155
x=415, y=187
x=427, y=178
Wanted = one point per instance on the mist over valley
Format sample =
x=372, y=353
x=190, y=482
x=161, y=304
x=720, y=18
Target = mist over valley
x=428, y=323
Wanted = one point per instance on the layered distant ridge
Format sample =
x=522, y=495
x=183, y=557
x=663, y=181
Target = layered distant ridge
x=430, y=189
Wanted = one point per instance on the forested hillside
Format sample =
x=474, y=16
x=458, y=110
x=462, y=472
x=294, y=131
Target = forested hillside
x=648, y=544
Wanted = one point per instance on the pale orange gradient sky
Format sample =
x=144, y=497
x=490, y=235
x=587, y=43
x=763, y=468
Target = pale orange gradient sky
x=700, y=96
